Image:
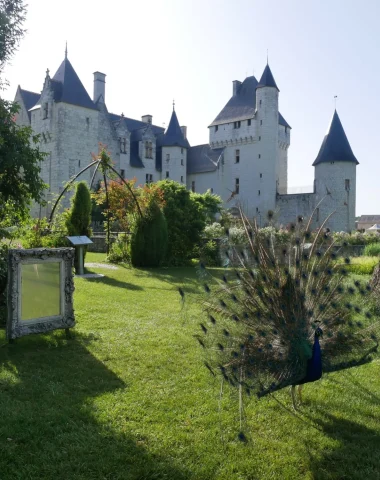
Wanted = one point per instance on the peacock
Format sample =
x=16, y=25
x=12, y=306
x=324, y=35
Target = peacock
x=282, y=313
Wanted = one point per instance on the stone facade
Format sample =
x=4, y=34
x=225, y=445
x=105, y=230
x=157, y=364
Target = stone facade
x=245, y=162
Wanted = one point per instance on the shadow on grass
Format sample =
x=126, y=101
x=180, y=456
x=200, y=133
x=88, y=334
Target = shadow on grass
x=357, y=456
x=113, y=282
x=52, y=429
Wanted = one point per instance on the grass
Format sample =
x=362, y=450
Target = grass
x=128, y=398
x=362, y=265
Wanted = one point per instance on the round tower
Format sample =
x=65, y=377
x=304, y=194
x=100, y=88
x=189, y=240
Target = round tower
x=267, y=120
x=335, y=179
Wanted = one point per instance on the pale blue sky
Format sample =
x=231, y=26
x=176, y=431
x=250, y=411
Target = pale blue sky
x=154, y=51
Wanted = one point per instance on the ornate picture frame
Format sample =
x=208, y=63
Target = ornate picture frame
x=40, y=291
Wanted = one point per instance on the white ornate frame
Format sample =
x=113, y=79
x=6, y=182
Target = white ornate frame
x=16, y=258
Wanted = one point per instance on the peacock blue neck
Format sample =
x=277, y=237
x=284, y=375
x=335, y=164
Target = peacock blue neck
x=314, y=364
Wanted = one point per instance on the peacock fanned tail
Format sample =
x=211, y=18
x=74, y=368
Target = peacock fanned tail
x=262, y=312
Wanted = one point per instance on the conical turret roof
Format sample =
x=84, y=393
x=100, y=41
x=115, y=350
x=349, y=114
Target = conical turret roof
x=68, y=88
x=173, y=136
x=335, y=146
x=267, y=79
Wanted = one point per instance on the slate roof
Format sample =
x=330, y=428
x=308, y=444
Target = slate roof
x=173, y=135
x=133, y=124
x=335, y=146
x=267, y=79
x=242, y=106
x=202, y=158
x=29, y=98
x=369, y=219
x=68, y=88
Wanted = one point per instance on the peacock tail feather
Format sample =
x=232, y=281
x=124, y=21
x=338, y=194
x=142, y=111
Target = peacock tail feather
x=262, y=312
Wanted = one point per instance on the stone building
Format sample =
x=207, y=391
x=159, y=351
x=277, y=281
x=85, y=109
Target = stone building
x=245, y=161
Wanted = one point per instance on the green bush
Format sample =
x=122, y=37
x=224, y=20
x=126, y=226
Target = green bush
x=362, y=265
x=3, y=282
x=119, y=252
x=149, y=240
x=372, y=250
x=214, y=230
x=78, y=219
x=209, y=254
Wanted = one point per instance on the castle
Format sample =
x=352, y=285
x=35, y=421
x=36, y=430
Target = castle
x=245, y=161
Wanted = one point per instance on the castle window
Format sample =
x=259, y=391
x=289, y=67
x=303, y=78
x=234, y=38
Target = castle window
x=167, y=174
x=78, y=163
x=181, y=179
x=249, y=122
x=261, y=122
x=260, y=103
x=167, y=157
x=237, y=156
x=261, y=175
x=257, y=208
x=87, y=122
x=181, y=161
x=259, y=155
x=216, y=128
x=211, y=190
x=122, y=173
x=286, y=130
x=148, y=150
x=237, y=124
x=259, y=139
x=317, y=215
x=123, y=145
x=181, y=150
x=237, y=186
x=148, y=178
x=193, y=186
x=259, y=193
x=46, y=111
x=347, y=184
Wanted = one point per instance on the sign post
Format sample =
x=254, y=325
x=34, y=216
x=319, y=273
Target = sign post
x=79, y=244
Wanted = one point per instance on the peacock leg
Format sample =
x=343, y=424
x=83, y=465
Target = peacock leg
x=292, y=390
x=300, y=393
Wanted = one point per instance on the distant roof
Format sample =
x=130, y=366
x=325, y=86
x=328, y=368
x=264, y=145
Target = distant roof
x=202, y=158
x=267, y=79
x=370, y=219
x=68, y=88
x=335, y=146
x=173, y=135
x=376, y=226
x=133, y=124
x=242, y=106
x=29, y=99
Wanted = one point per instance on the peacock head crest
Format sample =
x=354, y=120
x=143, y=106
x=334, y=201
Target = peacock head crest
x=318, y=332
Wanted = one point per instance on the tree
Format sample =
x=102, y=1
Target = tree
x=149, y=238
x=78, y=219
x=186, y=215
x=20, y=157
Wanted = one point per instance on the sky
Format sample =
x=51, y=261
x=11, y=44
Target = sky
x=155, y=51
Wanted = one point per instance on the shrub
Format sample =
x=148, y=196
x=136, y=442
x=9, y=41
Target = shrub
x=215, y=230
x=372, y=250
x=78, y=219
x=149, y=240
x=209, y=254
x=3, y=282
x=362, y=265
x=119, y=252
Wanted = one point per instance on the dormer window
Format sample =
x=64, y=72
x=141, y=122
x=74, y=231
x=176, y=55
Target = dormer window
x=46, y=111
x=216, y=128
x=123, y=145
x=237, y=124
x=148, y=150
x=249, y=122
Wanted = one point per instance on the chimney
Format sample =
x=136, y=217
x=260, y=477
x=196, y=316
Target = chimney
x=184, y=132
x=147, y=119
x=235, y=86
x=99, y=86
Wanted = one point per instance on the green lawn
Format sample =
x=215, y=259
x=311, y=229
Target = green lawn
x=128, y=398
